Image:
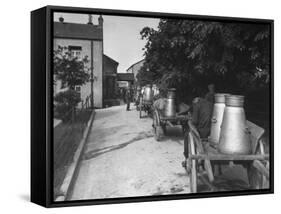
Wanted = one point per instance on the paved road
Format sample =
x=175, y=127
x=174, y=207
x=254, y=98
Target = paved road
x=122, y=159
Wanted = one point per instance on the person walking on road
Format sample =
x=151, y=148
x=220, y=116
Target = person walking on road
x=128, y=98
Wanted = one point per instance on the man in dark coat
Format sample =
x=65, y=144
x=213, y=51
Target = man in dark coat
x=201, y=116
x=210, y=96
x=128, y=98
x=202, y=111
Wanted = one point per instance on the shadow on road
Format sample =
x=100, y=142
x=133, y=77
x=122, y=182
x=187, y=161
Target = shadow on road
x=173, y=134
x=97, y=152
x=222, y=183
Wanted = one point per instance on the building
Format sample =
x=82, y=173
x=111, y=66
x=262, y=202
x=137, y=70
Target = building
x=110, y=81
x=135, y=68
x=125, y=80
x=87, y=40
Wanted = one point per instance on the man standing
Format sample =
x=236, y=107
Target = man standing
x=201, y=116
x=128, y=98
x=210, y=96
x=202, y=111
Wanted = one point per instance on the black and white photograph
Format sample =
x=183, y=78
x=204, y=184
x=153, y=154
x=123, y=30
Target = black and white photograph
x=159, y=106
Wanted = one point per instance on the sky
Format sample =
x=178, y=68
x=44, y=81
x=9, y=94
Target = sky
x=122, y=40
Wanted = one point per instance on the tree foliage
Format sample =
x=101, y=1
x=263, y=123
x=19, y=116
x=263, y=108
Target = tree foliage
x=69, y=69
x=71, y=72
x=64, y=102
x=188, y=54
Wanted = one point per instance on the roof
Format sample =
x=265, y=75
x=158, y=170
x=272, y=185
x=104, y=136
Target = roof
x=125, y=77
x=77, y=31
x=110, y=59
x=135, y=64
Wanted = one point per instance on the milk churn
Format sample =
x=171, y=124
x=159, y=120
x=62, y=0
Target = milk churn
x=217, y=117
x=170, y=107
x=148, y=93
x=234, y=136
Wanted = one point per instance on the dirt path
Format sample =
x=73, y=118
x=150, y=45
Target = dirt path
x=122, y=159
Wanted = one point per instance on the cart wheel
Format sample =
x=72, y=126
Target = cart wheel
x=185, y=145
x=140, y=108
x=193, y=170
x=256, y=179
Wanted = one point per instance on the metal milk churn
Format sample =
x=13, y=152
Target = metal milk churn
x=217, y=117
x=234, y=136
x=148, y=93
x=170, y=107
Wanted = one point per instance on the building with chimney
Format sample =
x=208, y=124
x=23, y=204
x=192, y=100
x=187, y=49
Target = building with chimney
x=87, y=40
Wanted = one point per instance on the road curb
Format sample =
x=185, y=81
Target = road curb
x=66, y=187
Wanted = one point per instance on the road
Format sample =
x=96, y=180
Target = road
x=122, y=159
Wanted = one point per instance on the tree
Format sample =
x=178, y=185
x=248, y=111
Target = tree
x=71, y=72
x=69, y=69
x=188, y=54
x=65, y=102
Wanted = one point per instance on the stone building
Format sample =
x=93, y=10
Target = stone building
x=87, y=40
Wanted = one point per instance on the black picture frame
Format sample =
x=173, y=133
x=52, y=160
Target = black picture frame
x=42, y=99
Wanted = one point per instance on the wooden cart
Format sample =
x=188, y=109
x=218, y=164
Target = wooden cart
x=203, y=156
x=145, y=107
x=160, y=123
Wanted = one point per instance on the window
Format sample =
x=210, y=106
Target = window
x=75, y=51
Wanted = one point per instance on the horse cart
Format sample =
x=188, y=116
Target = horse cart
x=145, y=104
x=145, y=107
x=161, y=122
x=203, y=156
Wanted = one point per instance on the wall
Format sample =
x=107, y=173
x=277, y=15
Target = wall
x=98, y=74
x=110, y=76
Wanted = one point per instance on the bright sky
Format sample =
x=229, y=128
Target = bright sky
x=122, y=40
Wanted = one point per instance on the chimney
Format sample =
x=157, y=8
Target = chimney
x=90, y=19
x=100, y=21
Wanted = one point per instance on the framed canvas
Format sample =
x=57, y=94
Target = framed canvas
x=134, y=106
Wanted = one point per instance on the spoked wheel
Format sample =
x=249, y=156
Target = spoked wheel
x=256, y=179
x=158, y=131
x=193, y=165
